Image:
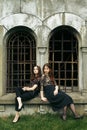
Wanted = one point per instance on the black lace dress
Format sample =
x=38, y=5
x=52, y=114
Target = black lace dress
x=58, y=101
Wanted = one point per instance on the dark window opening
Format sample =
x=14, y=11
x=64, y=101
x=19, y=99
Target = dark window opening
x=21, y=57
x=63, y=56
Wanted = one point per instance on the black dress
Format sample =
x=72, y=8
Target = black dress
x=57, y=101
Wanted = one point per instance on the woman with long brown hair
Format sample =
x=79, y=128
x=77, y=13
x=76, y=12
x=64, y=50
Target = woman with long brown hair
x=51, y=92
x=27, y=92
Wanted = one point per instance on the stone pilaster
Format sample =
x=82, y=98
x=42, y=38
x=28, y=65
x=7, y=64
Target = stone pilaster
x=42, y=55
x=84, y=69
x=2, y=63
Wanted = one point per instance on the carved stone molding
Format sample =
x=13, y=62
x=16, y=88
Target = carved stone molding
x=42, y=50
x=84, y=49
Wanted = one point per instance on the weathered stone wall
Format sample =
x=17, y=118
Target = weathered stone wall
x=43, y=8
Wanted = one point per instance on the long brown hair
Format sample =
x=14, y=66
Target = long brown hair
x=50, y=74
x=39, y=73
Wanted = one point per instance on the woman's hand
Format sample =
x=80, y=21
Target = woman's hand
x=24, y=88
x=55, y=92
x=44, y=99
x=30, y=88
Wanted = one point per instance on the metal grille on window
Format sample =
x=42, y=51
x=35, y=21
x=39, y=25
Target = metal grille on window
x=63, y=56
x=21, y=57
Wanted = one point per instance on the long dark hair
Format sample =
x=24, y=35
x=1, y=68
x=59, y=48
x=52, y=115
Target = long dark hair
x=38, y=75
x=50, y=74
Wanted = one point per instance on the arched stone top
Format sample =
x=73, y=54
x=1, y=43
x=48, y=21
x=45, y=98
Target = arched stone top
x=51, y=22
x=65, y=19
x=16, y=29
x=20, y=19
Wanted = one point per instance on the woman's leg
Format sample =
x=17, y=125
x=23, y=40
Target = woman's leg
x=72, y=107
x=20, y=104
x=26, y=95
x=17, y=117
x=19, y=93
x=21, y=96
x=64, y=113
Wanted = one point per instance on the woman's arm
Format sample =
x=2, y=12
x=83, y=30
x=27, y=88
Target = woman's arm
x=42, y=96
x=30, y=88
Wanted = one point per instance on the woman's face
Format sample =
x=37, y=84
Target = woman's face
x=46, y=70
x=36, y=71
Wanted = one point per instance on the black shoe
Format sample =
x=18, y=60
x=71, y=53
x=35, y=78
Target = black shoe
x=21, y=107
x=78, y=117
x=16, y=120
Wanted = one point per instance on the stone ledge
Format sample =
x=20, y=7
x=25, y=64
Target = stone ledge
x=10, y=99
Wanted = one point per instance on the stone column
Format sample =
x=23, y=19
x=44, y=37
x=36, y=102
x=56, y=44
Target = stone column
x=2, y=63
x=84, y=69
x=42, y=55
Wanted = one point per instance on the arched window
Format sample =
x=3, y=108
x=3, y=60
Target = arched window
x=63, y=55
x=21, y=57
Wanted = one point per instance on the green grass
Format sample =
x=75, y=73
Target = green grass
x=43, y=122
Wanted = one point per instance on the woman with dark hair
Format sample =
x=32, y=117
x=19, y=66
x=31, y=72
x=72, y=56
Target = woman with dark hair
x=27, y=92
x=51, y=92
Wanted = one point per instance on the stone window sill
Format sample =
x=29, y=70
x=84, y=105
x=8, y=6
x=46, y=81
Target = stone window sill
x=10, y=99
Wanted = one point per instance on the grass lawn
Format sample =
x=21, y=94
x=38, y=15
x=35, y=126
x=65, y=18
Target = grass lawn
x=43, y=122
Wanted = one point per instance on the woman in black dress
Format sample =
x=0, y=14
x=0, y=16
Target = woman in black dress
x=50, y=92
x=27, y=92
